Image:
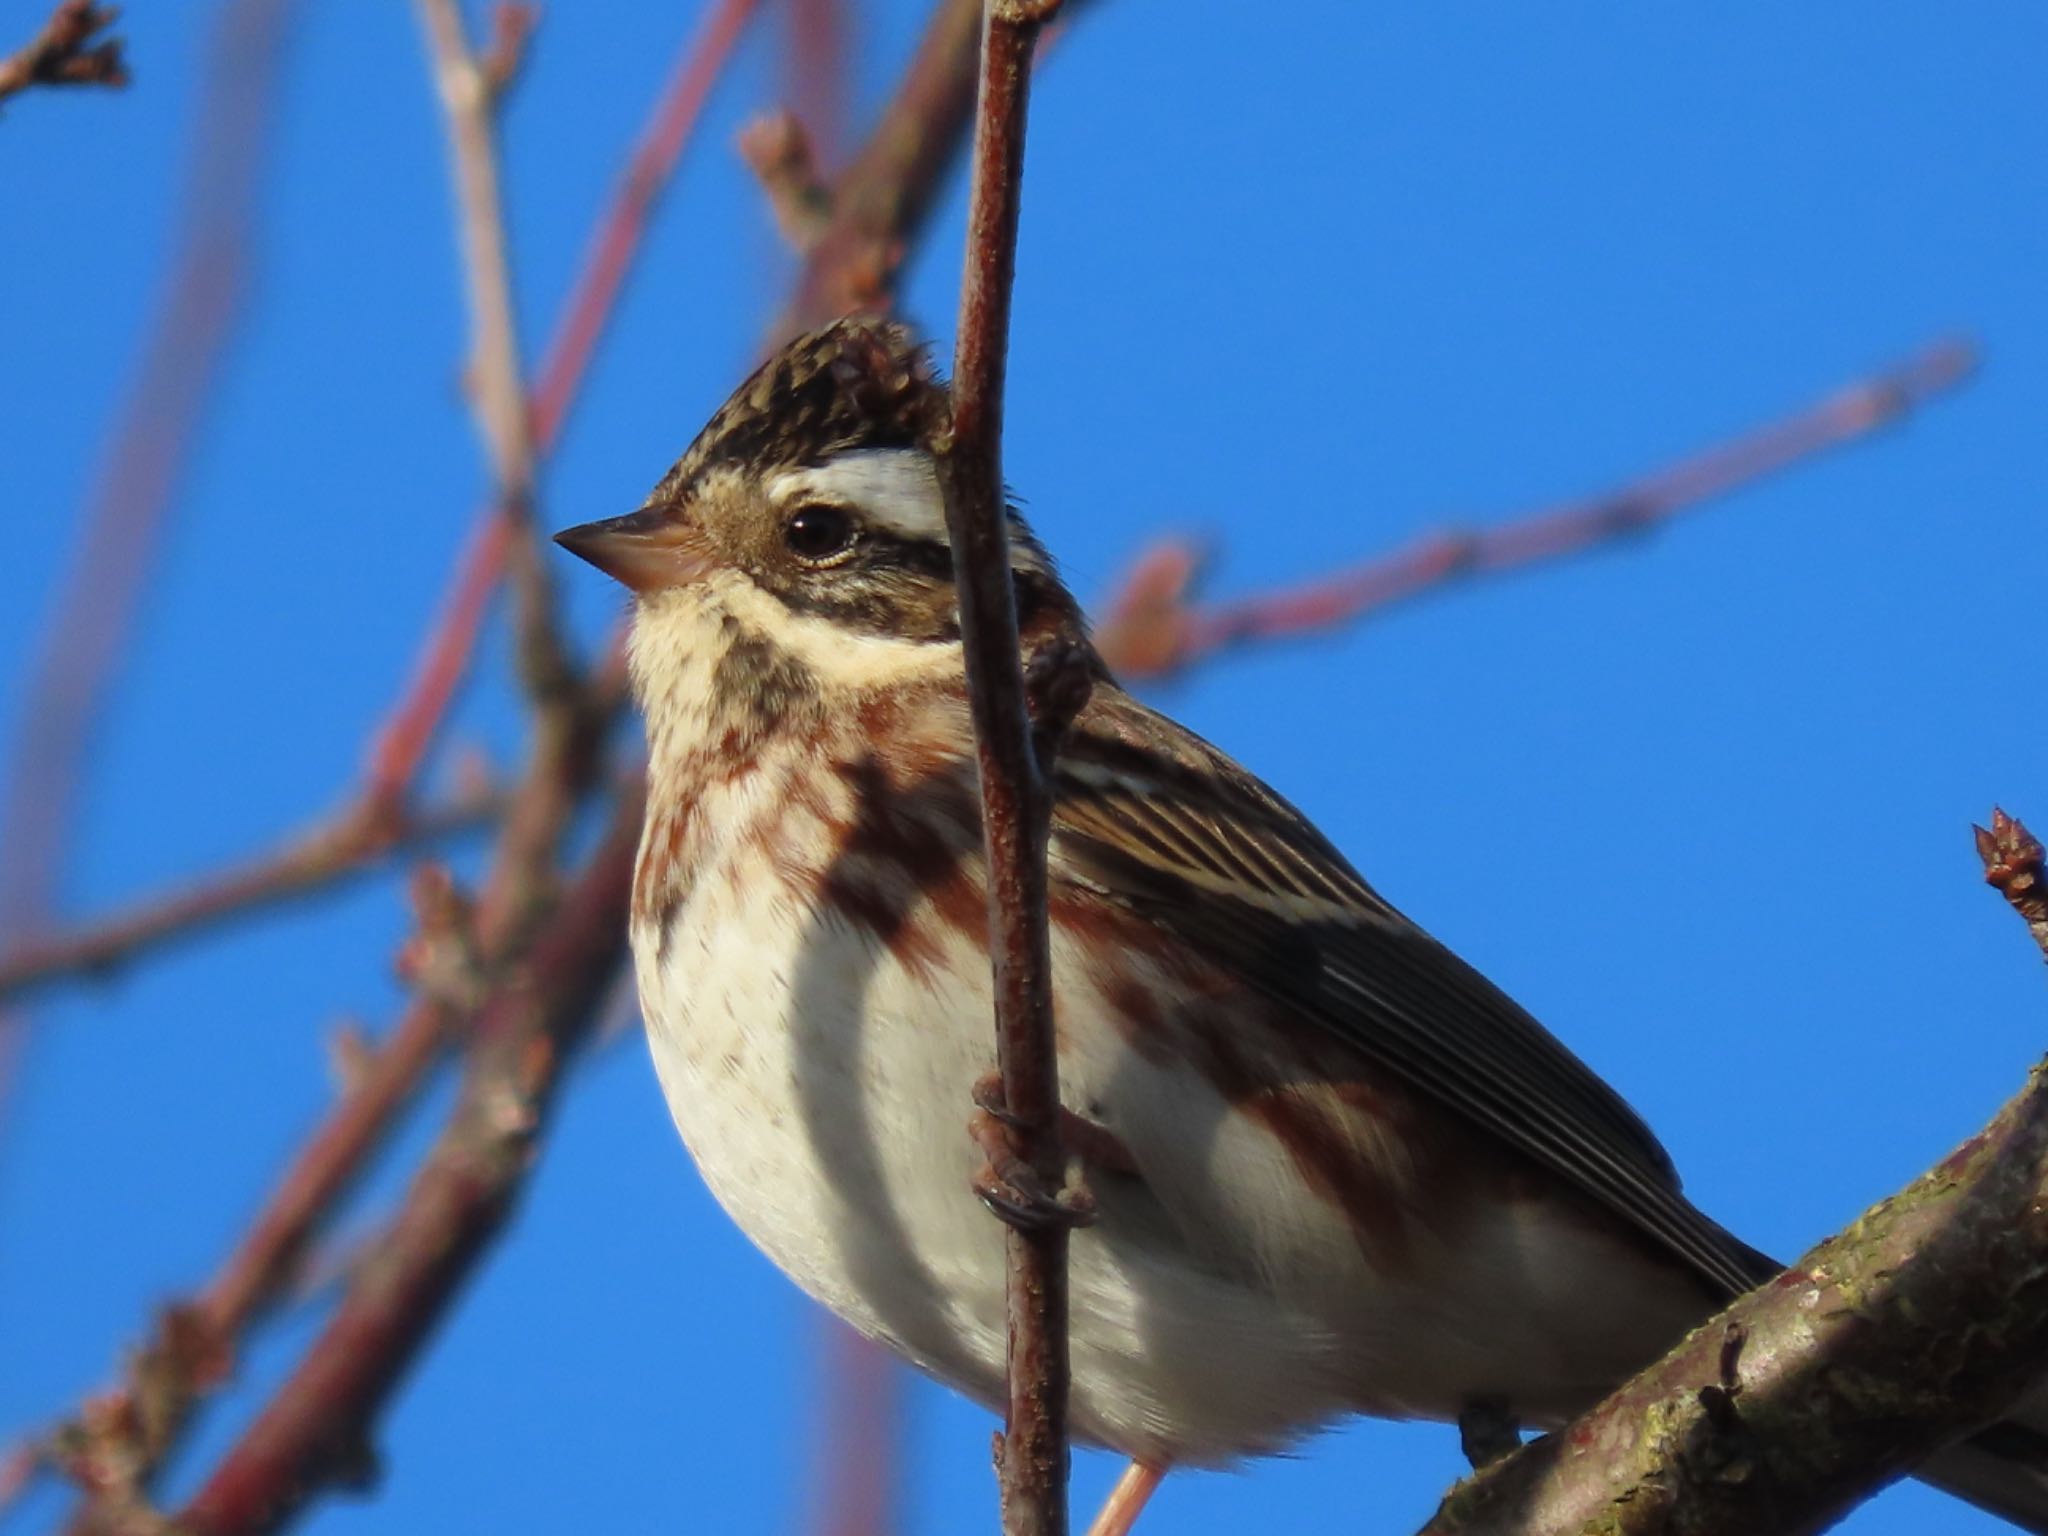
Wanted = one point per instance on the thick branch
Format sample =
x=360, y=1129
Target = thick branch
x=1015, y=798
x=65, y=51
x=1151, y=629
x=1923, y=1322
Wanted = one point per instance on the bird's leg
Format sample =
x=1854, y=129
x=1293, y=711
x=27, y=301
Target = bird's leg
x=1488, y=1430
x=1120, y=1510
x=1006, y=1183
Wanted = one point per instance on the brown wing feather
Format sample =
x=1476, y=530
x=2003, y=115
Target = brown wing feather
x=1165, y=825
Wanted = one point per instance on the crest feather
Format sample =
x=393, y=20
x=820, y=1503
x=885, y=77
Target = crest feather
x=858, y=383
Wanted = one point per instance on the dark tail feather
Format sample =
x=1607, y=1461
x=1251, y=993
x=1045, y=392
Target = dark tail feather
x=2002, y=1470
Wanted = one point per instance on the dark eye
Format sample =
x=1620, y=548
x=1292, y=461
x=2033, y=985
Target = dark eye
x=818, y=533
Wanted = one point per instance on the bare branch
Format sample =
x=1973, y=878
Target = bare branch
x=1152, y=630
x=402, y=745
x=472, y=89
x=1918, y=1325
x=316, y=1430
x=352, y=843
x=65, y=53
x=1016, y=799
x=860, y=1404
x=888, y=187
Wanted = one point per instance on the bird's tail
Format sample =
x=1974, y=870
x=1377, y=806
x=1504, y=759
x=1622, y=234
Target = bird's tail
x=2002, y=1470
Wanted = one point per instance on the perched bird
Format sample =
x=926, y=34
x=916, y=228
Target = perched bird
x=1333, y=1169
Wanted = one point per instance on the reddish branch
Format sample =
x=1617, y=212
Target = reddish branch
x=1153, y=630
x=1923, y=1322
x=888, y=187
x=1016, y=799
x=321, y=859
x=779, y=152
x=377, y=821
x=315, y=1430
x=68, y=51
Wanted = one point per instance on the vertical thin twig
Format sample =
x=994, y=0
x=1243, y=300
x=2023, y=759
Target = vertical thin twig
x=471, y=89
x=400, y=745
x=1016, y=800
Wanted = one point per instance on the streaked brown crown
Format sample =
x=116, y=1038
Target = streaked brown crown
x=858, y=383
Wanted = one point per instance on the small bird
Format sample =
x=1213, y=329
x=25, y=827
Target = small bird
x=1333, y=1170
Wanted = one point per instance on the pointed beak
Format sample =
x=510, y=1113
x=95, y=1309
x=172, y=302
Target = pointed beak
x=644, y=550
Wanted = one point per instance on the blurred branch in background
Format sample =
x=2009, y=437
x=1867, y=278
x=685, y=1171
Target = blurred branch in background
x=68, y=51
x=1921, y=1323
x=179, y=368
x=377, y=821
x=1153, y=629
x=857, y=1435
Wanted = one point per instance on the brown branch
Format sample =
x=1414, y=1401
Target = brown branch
x=65, y=53
x=816, y=65
x=2012, y=862
x=889, y=185
x=471, y=89
x=1016, y=799
x=378, y=822
x=353, y=843
x=1152, y=630
x=1918, y=1325
x=315, y=1430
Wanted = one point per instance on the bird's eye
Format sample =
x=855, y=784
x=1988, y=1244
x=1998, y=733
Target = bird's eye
x=818, y=533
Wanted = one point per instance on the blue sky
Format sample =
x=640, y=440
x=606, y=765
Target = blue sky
x=1309, y=281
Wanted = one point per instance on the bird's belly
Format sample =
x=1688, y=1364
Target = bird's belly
x=1220, y=1308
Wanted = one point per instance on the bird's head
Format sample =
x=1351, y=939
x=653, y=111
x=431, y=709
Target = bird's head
x=808, y=515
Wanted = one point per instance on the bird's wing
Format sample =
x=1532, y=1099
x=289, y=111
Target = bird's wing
x=1160, y=822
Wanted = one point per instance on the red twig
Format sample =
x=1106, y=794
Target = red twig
x=1152, y=630
x=1015, y=798
x=376, y=822
x=65, y=53
x=780, y=154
